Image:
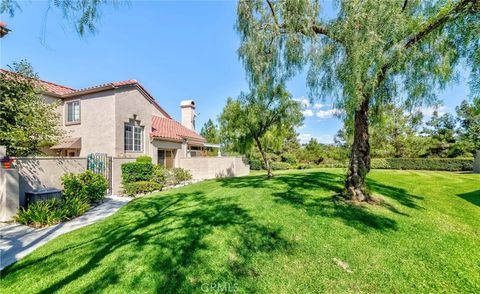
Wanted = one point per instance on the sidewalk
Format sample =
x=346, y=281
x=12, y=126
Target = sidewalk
x=17, y=241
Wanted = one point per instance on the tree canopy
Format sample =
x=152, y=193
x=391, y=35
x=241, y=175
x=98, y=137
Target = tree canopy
x=27, y=123
x=261, y=118
x=469, y=119
x=210, y=132
x=84, y=14
x=368, y=54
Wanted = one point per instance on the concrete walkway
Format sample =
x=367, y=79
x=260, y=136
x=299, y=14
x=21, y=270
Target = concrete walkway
x=17, y=241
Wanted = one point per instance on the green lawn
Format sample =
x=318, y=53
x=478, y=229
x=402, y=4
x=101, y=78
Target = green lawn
x=282, y=235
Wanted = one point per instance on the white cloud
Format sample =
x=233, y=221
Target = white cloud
x=320, y=105
x=307, y=112
x=301, y=127
x=325, y=139
x=304, y=102
x=323, y=114
x=428, y=111
x=304, y=138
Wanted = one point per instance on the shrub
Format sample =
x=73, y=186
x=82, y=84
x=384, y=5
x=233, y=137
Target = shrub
x=74, y=206
x=159, y=174
x=256, y=164
x=280, y=165
x=52, y=211
x=447, y=164
x=41, y=213
x=88, y=186
x=334, y=164
x=141, y=187
x=181, y=175
x=289, y=158
x=95, y=186
x=304, y=166
x=137, y=171
x=144, y=159
x=72, y=186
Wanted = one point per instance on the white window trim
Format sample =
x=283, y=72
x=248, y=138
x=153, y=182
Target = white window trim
x=76, y=122
x=142, y=138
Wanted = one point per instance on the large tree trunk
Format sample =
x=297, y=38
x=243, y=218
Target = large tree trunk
x=264, y=157
x=360, y=156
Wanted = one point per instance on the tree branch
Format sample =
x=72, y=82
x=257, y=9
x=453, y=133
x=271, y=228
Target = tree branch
x=432, y=25
x=274, y=15
x=429, y=27
x=404, y=5
x=317, y=28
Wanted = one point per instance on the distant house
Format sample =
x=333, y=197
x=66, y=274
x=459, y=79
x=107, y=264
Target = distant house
x=122, y=119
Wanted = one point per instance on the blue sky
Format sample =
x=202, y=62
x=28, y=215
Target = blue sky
x=176, y=50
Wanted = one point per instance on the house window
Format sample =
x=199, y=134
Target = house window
x=73, y=112
x=133, y=138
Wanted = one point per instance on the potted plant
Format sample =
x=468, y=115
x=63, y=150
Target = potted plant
x=7, y=162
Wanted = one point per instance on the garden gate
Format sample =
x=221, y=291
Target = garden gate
x=100, y=163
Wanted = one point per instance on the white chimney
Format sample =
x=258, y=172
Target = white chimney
x=188, y=114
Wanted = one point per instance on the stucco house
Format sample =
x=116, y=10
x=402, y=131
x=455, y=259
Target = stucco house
x=122, y=119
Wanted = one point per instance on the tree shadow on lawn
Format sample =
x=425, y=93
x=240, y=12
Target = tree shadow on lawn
x=154, y=244
x=472, y=197
x=295, y=189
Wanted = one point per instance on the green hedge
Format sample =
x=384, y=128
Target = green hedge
x=280, y=165
x=137, y=171
x=304, y=166
x=337, y=164
x=447, y=164
x=256, y=164
x=142, y=187
x=144, y=158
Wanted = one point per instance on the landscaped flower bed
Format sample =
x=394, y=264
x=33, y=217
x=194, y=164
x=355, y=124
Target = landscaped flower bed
x=143, y=177
x=81, y=192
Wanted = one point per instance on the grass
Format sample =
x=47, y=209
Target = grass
x=282, y=235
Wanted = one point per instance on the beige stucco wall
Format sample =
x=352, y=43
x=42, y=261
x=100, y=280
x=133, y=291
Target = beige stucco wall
x=117, y=188
x=476, y=163
x=97, y=122
x=42, y=172
x=159, y=144
x=102, y=119
x=9, y=196
x=214, y=167
x=129, y=102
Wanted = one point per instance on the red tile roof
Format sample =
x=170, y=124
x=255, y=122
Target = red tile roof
x=112, y=85
x=66, y=92
x=166, y=128
x=55, y=88
x=3, y=29
x=47, y=86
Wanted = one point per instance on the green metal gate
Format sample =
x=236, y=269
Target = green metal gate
x=101, y=163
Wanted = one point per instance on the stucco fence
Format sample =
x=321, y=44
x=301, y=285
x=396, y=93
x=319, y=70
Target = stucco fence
x=214, y=167
x=476, y=163
x=31, y=173
x=42, y=172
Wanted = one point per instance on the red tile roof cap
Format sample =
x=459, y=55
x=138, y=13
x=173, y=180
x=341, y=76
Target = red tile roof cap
x=167, y=128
